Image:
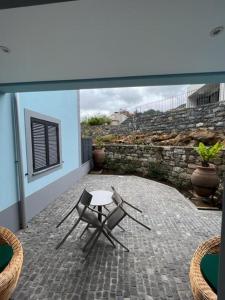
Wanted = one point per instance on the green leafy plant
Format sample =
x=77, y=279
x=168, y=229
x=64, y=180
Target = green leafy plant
x=96, y=120
x=99, y=144
x=207, y=153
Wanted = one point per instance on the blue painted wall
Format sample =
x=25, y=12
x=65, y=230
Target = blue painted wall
x=8, y=192
x=61, y=105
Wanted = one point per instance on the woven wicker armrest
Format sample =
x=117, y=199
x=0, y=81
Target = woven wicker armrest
x=10, y=275
x=200, y=288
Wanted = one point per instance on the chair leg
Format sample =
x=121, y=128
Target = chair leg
x=121, y=227
x=69, y=213
x=93, y=243
x=86, y=227
x=90, y=239
x=108, y=237
x=114, y=238
x=132, y=206
x=139, y=222
x=66, y=236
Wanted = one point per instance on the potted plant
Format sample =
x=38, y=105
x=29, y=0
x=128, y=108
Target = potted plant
x=98, y=153
x=205, y=179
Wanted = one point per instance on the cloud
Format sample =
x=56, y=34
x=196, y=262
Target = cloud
x=107, y=101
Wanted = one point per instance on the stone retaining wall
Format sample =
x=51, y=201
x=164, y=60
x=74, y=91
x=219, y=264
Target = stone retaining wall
x=211, y=116
x=172, y=163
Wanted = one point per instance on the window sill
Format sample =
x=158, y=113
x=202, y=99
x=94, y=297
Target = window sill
x=44, y=172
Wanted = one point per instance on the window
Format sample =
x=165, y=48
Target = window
x=43, y=143
x=206, y=99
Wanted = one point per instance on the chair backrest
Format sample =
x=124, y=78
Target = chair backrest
x=82, y=208
x=84, y=202
x=85, y=198
x=115, y=217
x=116, y=197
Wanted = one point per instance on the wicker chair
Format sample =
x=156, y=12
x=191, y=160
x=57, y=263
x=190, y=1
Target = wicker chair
x=10, y=275
x=200, y=288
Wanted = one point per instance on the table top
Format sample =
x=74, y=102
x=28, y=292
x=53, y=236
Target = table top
x=101, y=198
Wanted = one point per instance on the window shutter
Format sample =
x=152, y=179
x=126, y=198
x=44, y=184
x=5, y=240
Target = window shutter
x=39, y=146
x=53, y=144
x=45, y=144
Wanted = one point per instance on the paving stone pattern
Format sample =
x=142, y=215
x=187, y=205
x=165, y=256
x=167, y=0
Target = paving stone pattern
x=156, y=268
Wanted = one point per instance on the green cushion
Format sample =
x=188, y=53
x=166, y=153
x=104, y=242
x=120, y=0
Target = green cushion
x=6, y=253
x=209, y=268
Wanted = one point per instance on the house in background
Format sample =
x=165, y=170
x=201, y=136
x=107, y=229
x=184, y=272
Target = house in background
x=119, y=117
x=199, y=94
x=40, y=152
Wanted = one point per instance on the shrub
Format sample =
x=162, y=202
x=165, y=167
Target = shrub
x=125, y=166
x=131, y=166
x=109, y=138
x=157, y=171
x=97, y=120
x=151, y=112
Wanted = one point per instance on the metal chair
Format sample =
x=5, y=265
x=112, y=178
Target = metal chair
x=111, y=221
x=117, y=200
x=86, y=214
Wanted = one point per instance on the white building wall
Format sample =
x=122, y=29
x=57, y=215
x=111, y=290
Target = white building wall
x=190, y=90
x=191, y=100
x=117, y=118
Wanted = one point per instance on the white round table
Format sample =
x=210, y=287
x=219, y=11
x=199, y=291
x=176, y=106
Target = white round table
x=101, y=198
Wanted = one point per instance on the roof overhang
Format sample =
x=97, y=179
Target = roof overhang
x=98, y=43
x=172, y=79
x=5, y=4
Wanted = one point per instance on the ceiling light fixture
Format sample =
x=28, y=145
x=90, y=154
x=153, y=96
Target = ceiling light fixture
x=217, y=30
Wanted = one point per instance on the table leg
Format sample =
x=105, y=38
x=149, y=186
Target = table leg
x=99, y=215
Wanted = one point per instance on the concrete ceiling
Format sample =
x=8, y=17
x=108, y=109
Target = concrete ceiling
x=91, y=39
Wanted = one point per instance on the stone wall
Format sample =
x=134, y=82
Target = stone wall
x=173, y=164
x=211, y=116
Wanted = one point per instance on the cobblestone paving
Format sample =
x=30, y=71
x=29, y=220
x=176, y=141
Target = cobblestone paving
x=156, y=268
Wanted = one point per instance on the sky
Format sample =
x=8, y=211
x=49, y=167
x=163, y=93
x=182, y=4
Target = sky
x=107, y=101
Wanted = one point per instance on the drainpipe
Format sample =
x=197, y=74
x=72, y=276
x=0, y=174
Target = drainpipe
x=79, y=128
x=18, y=161
x=221, y=285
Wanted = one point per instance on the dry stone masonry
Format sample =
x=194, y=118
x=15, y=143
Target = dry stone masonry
x=175, y=164
x=210, y=116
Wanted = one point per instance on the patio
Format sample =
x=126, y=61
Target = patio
x=156, y=267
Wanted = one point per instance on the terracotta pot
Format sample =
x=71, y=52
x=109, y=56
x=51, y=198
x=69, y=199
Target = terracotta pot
x=99, y=158
x=205, y=180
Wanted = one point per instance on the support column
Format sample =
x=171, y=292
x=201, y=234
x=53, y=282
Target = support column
x=222, y=92
x=221, y=285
